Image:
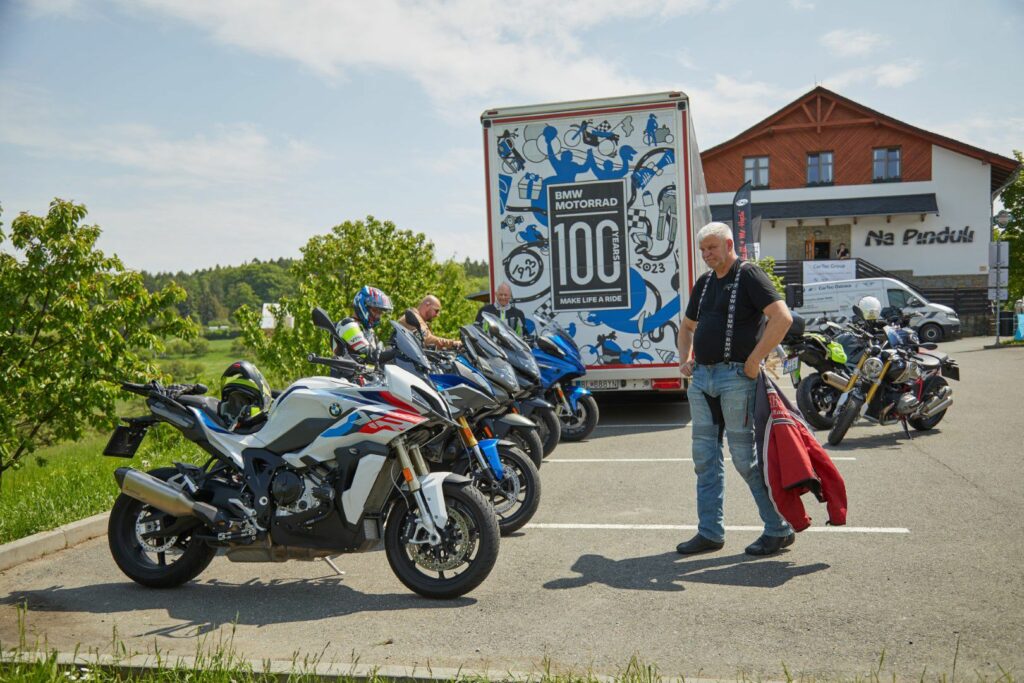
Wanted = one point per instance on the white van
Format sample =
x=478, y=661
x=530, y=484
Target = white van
x=835, y=300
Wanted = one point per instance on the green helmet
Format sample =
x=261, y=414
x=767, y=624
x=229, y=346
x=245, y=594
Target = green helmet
x=244, y=391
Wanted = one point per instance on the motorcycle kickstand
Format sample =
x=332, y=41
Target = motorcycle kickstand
x=906, y=429
x=329, y=561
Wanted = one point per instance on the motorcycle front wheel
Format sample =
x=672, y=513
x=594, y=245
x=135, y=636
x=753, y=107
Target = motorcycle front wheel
x=817, y=401
x=463, y=559
x=847, y=416
x=149, y=559
x=515, y=498
x=529, y=442
x=580, y=424
x=549, y=428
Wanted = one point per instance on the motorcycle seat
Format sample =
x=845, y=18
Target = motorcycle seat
x=929, y=361
x=207, y=404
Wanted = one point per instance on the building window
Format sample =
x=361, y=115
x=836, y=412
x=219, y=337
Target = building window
x=886, y=164
x=819, y=168
x=755, y=171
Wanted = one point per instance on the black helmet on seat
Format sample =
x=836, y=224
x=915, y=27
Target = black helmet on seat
x=244, y=391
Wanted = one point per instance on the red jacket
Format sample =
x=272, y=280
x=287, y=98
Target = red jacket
x=792, y=460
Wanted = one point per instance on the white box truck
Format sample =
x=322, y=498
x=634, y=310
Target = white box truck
x=593, y=208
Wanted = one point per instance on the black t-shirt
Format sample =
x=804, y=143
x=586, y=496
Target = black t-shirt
x=756, y=293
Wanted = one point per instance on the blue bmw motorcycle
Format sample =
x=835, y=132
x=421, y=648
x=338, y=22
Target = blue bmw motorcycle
x=560, y=363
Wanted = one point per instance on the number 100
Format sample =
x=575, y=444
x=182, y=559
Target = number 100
x=593, y=239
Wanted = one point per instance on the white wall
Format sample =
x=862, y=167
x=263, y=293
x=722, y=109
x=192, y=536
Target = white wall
x=962, y=188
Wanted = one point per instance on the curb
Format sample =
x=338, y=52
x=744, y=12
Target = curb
x=46, y=542
x=284, y=670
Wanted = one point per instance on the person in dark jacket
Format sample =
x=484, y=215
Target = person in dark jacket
x=505, y=310
x=723, y=326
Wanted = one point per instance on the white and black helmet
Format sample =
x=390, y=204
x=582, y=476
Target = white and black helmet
x=870, y=308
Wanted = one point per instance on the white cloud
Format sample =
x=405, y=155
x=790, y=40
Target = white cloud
x=892, y=75
x=230, y=153
x=466, y=54
x=852, y=43
x=896, y=75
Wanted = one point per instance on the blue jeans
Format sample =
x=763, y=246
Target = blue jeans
x=736, y=393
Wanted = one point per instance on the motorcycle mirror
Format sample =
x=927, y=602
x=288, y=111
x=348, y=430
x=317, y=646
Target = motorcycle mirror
x=324, y=322
x=931, y=346
x=321, y=319
x=857, y=311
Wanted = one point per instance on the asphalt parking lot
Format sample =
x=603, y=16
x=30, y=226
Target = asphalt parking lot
x=928, y=568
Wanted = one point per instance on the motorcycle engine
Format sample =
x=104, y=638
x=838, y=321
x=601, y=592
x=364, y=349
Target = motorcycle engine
x=907, y=404
x=287, y=487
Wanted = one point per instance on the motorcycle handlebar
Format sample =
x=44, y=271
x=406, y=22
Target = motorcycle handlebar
x=340, y=363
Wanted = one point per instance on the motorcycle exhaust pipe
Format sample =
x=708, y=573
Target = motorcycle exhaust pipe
x=164, y=497
x=938, y=403
x=834, y=380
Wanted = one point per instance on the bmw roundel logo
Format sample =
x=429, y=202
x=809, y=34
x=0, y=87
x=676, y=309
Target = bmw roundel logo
x=335, y=409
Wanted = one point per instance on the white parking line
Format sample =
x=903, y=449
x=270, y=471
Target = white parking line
x=645, y=459
x=693, y=527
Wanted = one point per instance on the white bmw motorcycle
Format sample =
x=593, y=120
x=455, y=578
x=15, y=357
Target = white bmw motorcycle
x=333, y=468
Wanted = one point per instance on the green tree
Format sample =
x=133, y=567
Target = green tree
x=72, y=322
x=332, y=269
x=1013, y=199
x=241, y=294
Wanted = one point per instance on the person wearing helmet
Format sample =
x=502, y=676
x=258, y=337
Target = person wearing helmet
x=356, y=332
x=244, y=395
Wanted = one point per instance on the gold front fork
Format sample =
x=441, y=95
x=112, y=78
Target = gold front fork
x=878, y=382
x=467, y=434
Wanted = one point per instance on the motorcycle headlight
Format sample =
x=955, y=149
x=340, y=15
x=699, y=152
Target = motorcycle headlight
x=872, y=368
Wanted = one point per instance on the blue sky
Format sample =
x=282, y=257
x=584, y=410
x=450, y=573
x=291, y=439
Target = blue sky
x=200, y=132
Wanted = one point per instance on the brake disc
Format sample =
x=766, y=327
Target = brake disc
x=147, y=527
x=451, y=551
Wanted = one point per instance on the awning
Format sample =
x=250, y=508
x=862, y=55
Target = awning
x=831, y=208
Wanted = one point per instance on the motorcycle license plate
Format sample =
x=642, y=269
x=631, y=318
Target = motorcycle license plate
x=790, y=365
x=601, y=384
x=951, y=371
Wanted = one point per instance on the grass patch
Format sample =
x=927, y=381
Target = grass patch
x=70, y=481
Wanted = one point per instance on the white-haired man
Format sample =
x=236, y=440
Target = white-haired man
x=726, y=329
x=504, y=309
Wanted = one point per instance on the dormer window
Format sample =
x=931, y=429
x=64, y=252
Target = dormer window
x=755, y=171
x=886, y=165
x=819, y=168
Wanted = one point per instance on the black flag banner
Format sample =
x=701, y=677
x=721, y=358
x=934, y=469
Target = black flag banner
x=741, y=211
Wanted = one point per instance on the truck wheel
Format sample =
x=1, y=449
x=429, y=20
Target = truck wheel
x=931, y=333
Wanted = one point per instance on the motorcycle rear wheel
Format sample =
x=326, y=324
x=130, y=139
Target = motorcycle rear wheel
x=817, y=401
x=549, y=428
x=847, y=416
x=154, y=562
x=923, y=424
x=463, y=559
x=578, y=426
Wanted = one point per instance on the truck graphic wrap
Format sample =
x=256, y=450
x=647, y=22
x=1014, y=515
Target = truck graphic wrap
x=590, y=224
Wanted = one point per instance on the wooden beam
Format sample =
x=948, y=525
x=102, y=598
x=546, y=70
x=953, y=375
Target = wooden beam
x=922, y=217
x=819, y=113
x=829, y=112
x=826, y=222
x=810, y=116
x=773, y=224
x=855, y=220
x=888, y=219
x=824, y=124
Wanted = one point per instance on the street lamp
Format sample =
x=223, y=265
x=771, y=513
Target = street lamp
x=1001, y=219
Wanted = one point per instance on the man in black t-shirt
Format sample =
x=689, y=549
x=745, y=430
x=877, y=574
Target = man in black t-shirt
x=733, y=320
